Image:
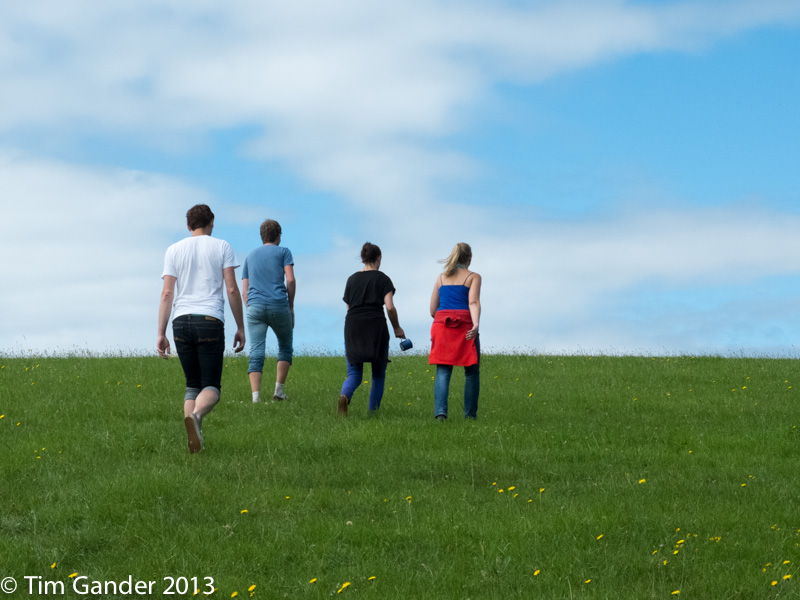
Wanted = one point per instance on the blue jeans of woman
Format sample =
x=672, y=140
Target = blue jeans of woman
x=355, y=372
x=261, y=317
x=472, y=386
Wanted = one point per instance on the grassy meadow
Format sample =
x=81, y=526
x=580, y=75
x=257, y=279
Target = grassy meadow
x=583, y=477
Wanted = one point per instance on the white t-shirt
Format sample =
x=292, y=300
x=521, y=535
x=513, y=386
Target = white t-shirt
x=197, y=263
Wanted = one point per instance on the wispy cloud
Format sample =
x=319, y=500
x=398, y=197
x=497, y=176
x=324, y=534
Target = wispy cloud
x=84, y=250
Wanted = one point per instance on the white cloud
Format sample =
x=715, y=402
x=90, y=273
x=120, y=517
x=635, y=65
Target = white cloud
x=559, y=286
x=88, y=246
x=84, y=249
x=355, y=97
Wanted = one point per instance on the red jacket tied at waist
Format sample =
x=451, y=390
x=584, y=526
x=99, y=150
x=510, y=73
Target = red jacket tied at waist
x=449, y=343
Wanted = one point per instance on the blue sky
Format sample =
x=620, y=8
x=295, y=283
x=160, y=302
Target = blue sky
x=625, y=171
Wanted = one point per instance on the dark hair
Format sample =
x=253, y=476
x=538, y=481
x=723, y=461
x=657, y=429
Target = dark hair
x=199, y=216
x=270, y=231
x=370, y=253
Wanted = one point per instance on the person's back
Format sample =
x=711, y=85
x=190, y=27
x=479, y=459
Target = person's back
x=264, y=270
x=452, y=295
x=197, y=262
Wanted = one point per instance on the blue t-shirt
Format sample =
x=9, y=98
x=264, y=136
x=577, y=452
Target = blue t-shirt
x=263, y=269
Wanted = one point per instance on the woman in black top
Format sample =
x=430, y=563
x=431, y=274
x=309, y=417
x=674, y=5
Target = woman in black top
x=366, y=337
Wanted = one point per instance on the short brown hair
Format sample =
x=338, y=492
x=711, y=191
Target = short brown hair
x=270, y=231
x=370, y=253
x=199, y=216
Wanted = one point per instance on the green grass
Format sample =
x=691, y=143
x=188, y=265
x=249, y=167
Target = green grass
x=581, y=476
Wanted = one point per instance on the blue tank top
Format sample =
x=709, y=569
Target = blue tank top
x=453, y=297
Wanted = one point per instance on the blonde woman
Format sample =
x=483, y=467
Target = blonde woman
x=456, y=312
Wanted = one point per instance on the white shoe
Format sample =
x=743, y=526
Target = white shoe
x=279, y=398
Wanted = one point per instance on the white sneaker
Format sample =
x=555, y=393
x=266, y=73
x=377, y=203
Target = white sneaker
x=279, y=397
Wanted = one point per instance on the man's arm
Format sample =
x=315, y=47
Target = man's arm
x=291, y=287
x=164, y=311
x=235, y=300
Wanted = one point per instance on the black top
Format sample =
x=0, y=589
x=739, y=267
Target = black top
x=366, y=336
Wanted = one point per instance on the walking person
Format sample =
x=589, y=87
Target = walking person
x=196, y=270
x=456, y=312
x=268, y=288
x=366, y=336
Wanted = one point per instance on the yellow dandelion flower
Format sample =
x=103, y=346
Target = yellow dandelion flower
x=288, y=497
x=313, y=580
x=599, y=536
x=676, y=551
x=787, y=576
x=241, y=512
x=675, y=593
x=786, y=562
x=500, y=491
x=512, y=488
x=53, y=566
x=494, y=483
x=642, y=481
x=536, y=572
x=251, y=588
x=371, y=578
x=774, y=583
x=234, y=594
x=664, y=563
x=654, y=552
x=541, y=490
x=73, y=575
x=588, y=581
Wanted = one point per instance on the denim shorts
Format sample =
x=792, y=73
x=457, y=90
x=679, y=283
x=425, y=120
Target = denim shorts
x=200, y=343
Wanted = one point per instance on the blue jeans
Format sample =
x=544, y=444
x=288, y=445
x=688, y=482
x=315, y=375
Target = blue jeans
x=200, y=343
x=355, y=372
x=261, y=317
x=472, y=386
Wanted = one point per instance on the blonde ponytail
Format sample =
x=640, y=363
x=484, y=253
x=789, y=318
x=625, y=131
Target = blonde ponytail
x=460, y=256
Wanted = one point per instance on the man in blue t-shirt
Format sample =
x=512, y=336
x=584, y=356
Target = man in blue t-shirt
x=268, y=288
